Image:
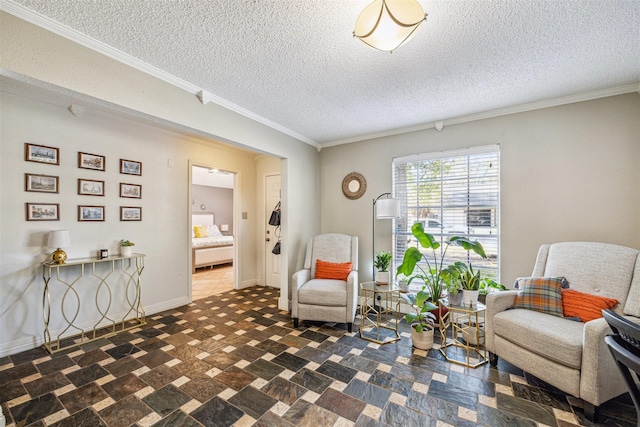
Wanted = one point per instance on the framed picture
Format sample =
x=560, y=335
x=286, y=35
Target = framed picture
x=40, y=183
x=43, y=212
x=91, y=161
x=130, y=167
x=90, y=213
x=130, y=213
x=90, y=187
x=133, y=191
x=41, y=154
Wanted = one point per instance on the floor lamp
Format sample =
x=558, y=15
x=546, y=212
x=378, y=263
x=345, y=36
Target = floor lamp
x=383, y=208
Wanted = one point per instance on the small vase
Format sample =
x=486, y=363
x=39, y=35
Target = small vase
x=126, y=250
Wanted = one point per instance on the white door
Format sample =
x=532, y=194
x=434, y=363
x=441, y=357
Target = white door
x=272, y=233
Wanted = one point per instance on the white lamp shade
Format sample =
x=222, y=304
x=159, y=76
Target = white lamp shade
x=224, y=227
x=59, y=239
x=387, y=208
x=388, y=24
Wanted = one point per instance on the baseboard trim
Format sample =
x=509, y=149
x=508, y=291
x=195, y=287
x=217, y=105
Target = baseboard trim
x=167, y=305
x=248, y=283
x=284, y=304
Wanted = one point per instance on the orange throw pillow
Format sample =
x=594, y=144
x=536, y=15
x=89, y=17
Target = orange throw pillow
x=585, y=306
x=332, y=270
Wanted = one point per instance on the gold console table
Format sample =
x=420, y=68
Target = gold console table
x=82, y=275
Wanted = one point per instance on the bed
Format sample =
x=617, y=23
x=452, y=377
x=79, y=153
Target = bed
x=209, y=247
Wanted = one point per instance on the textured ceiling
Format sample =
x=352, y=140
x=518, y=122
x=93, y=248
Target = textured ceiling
x=296, y=64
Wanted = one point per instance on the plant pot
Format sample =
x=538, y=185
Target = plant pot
x=439, y=312
x=469, y=334
x=422, y=340
x=382, y=277
x=470, y=297
x=403, y=285
x=126, y=250
x=482, y=298
x=456, y=299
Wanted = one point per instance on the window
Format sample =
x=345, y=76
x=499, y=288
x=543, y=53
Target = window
x=450, y=193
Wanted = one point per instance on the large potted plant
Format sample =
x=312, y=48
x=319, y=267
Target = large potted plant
x=422, y=321
x=435, y=273
x=381, y=264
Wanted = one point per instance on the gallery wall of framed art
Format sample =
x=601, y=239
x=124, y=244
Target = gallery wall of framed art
x=48, y=156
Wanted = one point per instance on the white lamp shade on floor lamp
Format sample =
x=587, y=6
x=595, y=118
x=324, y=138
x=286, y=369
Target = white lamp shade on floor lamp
x=59, y=239
x=384, y=207
x=387, y=208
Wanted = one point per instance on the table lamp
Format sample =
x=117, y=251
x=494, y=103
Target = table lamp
x=224, y=228
x=59, y=239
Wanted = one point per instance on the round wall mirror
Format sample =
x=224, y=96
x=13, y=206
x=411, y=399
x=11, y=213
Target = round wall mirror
x=354, y=185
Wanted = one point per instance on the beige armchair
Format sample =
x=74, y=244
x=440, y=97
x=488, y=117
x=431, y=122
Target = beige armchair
x=328, y=300
x=569, y=355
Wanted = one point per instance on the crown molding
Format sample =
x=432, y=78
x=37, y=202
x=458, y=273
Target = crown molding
x=571, y=99
x=48, y=24
x=39, y=91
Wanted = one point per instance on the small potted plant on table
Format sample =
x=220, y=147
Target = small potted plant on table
x=381, y=264
x=454, y=291
x=126, y=247
x=468, y=280
x=488, y=285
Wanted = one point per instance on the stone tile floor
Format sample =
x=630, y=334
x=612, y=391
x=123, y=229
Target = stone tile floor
x=235, y=359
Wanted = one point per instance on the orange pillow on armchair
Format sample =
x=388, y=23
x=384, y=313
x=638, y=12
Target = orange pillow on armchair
x=585, y=306
x=332, y=270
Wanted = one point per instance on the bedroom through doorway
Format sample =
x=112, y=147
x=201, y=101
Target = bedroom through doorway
x=212, y=233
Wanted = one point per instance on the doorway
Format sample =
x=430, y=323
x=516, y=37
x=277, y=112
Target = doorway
x=272, y=237
x=213, y=250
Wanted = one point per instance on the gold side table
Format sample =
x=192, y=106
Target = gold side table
x=466, y=345
x=369, y=329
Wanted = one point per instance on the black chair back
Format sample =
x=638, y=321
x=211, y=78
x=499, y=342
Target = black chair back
x=624, y=345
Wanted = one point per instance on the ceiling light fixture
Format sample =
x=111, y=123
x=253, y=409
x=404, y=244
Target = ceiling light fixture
x=388, y=24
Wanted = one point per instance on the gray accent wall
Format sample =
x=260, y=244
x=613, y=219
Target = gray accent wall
x=216, y=200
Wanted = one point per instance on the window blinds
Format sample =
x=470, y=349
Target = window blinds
x=450, y=193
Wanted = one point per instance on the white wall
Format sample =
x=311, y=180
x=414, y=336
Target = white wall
x=567, y=173
x=45, y=60
x=162, y=234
